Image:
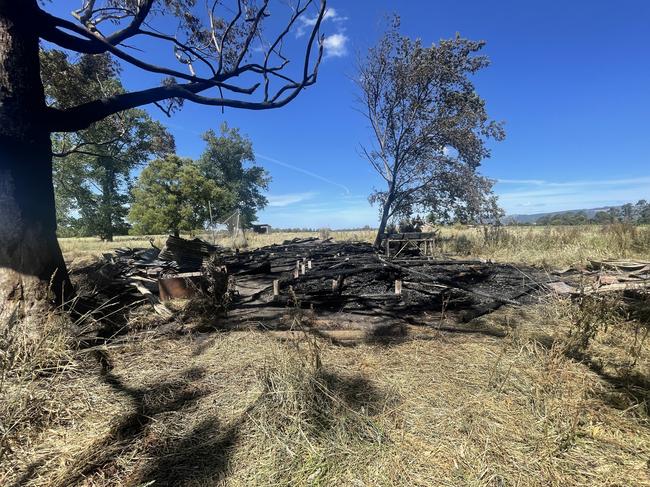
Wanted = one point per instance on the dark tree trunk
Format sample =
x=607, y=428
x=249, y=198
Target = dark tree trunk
x=32, y=270
x=385, y=214
x=106, y=206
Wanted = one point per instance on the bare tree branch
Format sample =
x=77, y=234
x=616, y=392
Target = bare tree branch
x=87, y=39
x=76, y=149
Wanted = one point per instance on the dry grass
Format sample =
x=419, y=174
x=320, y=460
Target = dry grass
x=74, y=247
x=553, y=246
x=243, y=409
x=553, y=394
x=33, y=374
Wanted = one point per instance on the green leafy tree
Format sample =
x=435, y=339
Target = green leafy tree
x=574, y=218
x=229, y=161
x=614, y=214
x=429, y=127
x=172, y=195
x=603, y=218
x=627, y=212
x=642, y=211
x=92, y=167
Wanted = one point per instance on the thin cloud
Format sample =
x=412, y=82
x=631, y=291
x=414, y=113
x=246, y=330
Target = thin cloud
x=521, y=181
x=582, y=182
x=282, y=200
x=303, y=171
x=571, y=195
x=307, y=22
x=603, y=182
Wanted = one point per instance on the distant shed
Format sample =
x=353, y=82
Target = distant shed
x=261, y=228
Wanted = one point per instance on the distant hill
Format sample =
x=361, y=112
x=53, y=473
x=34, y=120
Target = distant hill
x=532, y=218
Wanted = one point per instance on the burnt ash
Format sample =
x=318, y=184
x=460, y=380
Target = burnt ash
x=366, y=280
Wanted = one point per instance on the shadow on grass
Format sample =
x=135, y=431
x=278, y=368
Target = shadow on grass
x=356, y=392
x=201, y=456
x=202, y=453
x=630, y=389
x=338, y=405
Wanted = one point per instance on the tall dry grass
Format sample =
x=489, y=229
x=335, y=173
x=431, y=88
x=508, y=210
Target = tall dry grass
x=33, y=370
x=551, y=246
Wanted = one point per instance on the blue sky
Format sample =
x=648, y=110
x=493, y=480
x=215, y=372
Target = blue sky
x=571, y=80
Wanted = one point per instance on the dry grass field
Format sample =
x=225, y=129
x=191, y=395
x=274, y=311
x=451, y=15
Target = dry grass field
x=553, y=246
x=515, y=398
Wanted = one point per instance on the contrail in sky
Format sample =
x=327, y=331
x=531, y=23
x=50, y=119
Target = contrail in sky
x=303, y=171
x=279, y=163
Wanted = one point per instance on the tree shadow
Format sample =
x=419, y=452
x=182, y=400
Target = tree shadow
x=356, y=392
x=628, y=389
x=148, y=402
x=201, y=456
x=343, y=409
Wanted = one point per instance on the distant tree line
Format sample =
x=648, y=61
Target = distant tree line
x=637, y=214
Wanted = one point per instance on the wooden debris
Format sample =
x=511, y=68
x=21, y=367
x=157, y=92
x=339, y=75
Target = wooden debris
x=561, y=287
x=622, y=286
x=605, y=276
x=605, y=280
x=276, y=288
x=620, y=265
x=190, y=255
x=158, y=307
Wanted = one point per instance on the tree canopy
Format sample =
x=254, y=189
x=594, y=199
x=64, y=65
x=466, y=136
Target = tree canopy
x=93, y=167
x=429, y=127
x=228, y=160
x=172, y=195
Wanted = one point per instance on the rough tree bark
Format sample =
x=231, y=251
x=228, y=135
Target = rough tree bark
x=32, y=270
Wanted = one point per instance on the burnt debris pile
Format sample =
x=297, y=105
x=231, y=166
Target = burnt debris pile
x=353, y=277
x=188, y=255
x=325, y=275
x=131, y=277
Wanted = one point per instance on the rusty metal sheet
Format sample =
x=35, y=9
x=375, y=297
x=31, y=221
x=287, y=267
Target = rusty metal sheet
x=179, y=286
